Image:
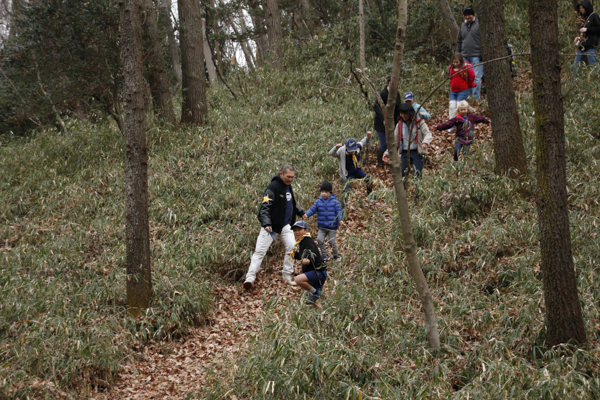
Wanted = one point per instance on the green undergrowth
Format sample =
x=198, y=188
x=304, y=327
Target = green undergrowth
x=63, y=325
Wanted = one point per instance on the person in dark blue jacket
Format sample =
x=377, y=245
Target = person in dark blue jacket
x=329, y=216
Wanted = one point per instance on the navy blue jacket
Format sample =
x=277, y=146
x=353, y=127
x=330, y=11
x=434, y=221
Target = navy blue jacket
x=329, y=212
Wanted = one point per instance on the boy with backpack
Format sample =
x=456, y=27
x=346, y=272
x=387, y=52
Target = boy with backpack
x=348, y=155
x=328, y=219
x=314, y=270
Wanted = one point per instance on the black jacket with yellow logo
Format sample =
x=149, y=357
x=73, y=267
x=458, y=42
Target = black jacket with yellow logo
x=272, y=208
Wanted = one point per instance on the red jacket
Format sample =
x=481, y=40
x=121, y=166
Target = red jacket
x=463, y=81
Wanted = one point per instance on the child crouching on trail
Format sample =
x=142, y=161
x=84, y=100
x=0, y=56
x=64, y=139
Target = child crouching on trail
x=328, y=220
x=465, y=126
x=314, y=270
x=349, y=155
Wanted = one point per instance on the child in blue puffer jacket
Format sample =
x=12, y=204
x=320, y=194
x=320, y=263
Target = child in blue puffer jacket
x=328, y=220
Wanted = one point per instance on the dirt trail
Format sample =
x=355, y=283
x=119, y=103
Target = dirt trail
x=181, y=368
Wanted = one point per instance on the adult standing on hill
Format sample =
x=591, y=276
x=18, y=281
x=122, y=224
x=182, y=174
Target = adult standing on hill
x=588, y=36
x=468, y=44
x=277, y=214
x=379, y=125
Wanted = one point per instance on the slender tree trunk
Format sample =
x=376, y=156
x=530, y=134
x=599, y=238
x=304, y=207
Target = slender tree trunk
x=193, y=109
x=410, y=248
x=158, y=79
x=450, y=20
x=173, y=45
x=564, y=321
x=361, y=17
x=217, y=45
x=137, y=232
x=308, y=15
x=250, y=60
x=257, y=15
x=506, y=130
x=210, y=65
x=241, y=41
x=15, y=7
x=274, y=31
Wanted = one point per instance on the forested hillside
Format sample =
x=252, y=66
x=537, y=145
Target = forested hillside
x=65, y=327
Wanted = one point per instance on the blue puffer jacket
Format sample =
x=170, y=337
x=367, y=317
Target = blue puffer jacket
x=329, y=212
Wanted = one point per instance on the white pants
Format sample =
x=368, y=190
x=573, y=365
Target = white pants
x=263, y=242
x=452, y=110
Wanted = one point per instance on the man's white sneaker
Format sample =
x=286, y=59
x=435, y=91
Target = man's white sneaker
x=287, y=278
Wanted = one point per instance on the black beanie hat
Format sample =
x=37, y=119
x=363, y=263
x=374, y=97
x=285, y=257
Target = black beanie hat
x=469, y=11
x=327, y=187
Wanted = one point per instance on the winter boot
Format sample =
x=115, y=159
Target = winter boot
x=380, y=163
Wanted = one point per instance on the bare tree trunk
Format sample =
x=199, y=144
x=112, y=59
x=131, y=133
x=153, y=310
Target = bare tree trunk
x=137, y=232
x=308, y=15
x=508, y=141
x=63, y=127
x=15, y=7
x=193, y=109
x=564, y=321
x=450, y=21
x=245, y=50
x=173, y=45
x=361, y=16
x=410, y=248
x=217, y=45
x=245, y=46
x=274, y=31
x=210, y=65
x=256, y=13
x=157, y=74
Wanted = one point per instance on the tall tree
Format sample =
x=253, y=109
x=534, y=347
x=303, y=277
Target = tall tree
x=137, y=232
x=564, y=321
x=193, y=109
x=158, y=79
x=258, y=20
x=450, y=20
x=274, y=31
x=508, y=141
x=361, y=18
x=210, y=65
x=165, y=16
x=410, y=248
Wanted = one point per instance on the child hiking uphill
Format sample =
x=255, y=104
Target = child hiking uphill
x=349, y=155
x=328, y=219
x=465, y=127
x=314, y=270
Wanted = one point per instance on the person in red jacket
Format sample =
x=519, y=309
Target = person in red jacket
x=459, y=83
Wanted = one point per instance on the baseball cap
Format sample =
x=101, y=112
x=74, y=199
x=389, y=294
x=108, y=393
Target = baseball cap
x=351, y=144
x=300, y=224
x=409, y=96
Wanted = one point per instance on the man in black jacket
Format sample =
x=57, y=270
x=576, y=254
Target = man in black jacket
x=378, y=124
x=587, y=40
x=277, y=214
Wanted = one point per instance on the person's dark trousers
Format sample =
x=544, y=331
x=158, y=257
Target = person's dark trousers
x=415, y=159
x=459, y=147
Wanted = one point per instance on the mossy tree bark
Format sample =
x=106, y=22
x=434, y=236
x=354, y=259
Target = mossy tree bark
x=564, y=322
x=193, y=107
x=506, y=130
x=410, y=248
x=158, y=79
x=137, y=233
x=165, y=15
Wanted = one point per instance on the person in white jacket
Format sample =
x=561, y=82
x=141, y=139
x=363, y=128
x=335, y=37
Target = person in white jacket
x=348, y=155
x=412, y=145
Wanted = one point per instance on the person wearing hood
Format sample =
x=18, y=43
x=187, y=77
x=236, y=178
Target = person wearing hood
x=329, y=215
x=587, y=40
x=468, y=44
x=276, y=215
x=379, y=124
